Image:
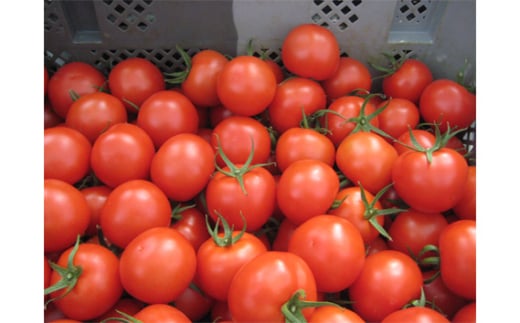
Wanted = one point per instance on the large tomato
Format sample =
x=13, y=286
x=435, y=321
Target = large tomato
x=351, y=75
x=408, y=80
x=311, y=51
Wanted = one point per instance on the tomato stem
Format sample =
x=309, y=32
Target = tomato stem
x=292, y=309
x=227, y=240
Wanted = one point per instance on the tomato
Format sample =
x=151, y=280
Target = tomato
x=165, y=114
x=294, y=97
x=311, y=51
x=447, y=102
x=283, y=235
x=351, y=75
x=132, y=208
x=252, y=289
x=437, y=293
x=194, y=303
x=277, y=70
x=389, y=280
x=66, y=215
x=94, y=113
x=218, y=114
x=430, y=187
x=408, y=81
x=123, y=152
x=457, y=144
x=366, y=158
x=424, y=138
x=182, y=166
x=306, y=188
x=334, y=314
x=467, y=314
x=97, y=287
x=191, y=223
x=161, y=313
x=50, y=118
x=466, y=208
x=133, y=80
x=415, y=314
x=329, y=245
x=398, y=117
x=66, y=154
x=457, y=256
x=157, y=265
x=96, y=197
x=126, y=305
x=236, y=136
x=246, y=85
x=77, y=77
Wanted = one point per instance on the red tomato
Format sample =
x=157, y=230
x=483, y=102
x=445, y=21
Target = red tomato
x=126, y=305
x=94, y=113
x=457, y=256
x=50, y=118
x=415, y=314
x=408, y=81
x=467, y=314
x=457, y=144
x=437, y=293
x=218, y=114
x=424, y=138
x=66, y=154
x=376, y=245
x=388, y=281
x=191, y=223
x=283, y=235
x=78, y=77
x=306, y=188
x=252, y=287
x=277, y=70
x=157, y=265
x=97, y=286
x=366, y=158
x=133, y=80
x=132, y=208
x=194, y=303
x=351, y=75
x=66, y=215
x=96, y=197
x=161, y=313
x=329, y=245
x=255, y=90
x=398, y=117
x=183, y=166
x=334, y=314
x=165, y=114
x=446, y=102
x=311, y=51
x=466, y=208
x=294, y=97
x=124, y=152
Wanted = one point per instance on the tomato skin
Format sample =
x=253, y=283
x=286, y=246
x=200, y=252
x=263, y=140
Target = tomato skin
x=388, y=281
x=191, y=223
x=430, y=187
x=329, y=244
x=183, y=166
x=161, y=313
x=134, y=80
x=398, y=117
x=311, y=51
x=123, y=152
x=409, y=81
x=165, y=114
x=437, y=293
x=334, y=314
x=66, y=214
x=50, y=118
x=252, y=287
x=467, y=314
x=415, y=314
x=376, y=245
x=466, y=208
x=126, y=305
x=283, y=235
x=352, y=74
x=194, y=304
x=255, y=90
x=96, y=197
x=147, y=271
x=66, y=154
x=277, y=70
x=98, y=287
x=457, y=252
x=79, y=77
x=424, y=138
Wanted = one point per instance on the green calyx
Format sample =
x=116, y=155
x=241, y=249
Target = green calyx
x=227, y=239
x=393, y=64
x=292, y=309
x=179, y=77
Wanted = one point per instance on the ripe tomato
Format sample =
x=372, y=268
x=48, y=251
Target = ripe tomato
x=389, y=280
x=131, y=208
x=311, y=51
x=133, y=80
x=283, y=235
x=218, y=114
x=276, y=68
x=50, y=118
x=165, y=114
x=96, y=197
x=351, y=75
x=66, y=154
x=467, y=314
x=94, y=113
x=408, y=81
x=191, y=223
x=66, y=215
x=329, y=245
x=194, y=303
x=457, y=256
x=334, y=314
x=306, y=188
x=157, y=265
x=415, y=314
x=368, y=158
x=253, y=92
x=97, y=287
x=466, y=208
x=160, y=313
x=294, y=97
x=398, y=117
x=182, y=166
x=436, y=292
x=376, y=245
x=78, y=77
x=252, y=287
x=123, y=152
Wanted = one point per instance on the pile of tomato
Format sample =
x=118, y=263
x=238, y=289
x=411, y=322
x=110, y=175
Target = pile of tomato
x=237, y=189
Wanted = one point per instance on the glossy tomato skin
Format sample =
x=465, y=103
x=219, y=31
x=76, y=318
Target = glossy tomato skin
x=311, y=51
x=161, y=313
x=147, y=271
x=457, y=253
x=133, y=80
x=267, y=282
x=398, y=117
x=191, y=223
x=467, y=314
x=96, y=197
x=79, y=77
x=466, y=208
x=430, y=187
x=388, y=280
x=183, y=166
x=98, y=287
x=409, y=81
x=66, y=215
x=351, y=75
x=415, y=314
x=334, y=314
